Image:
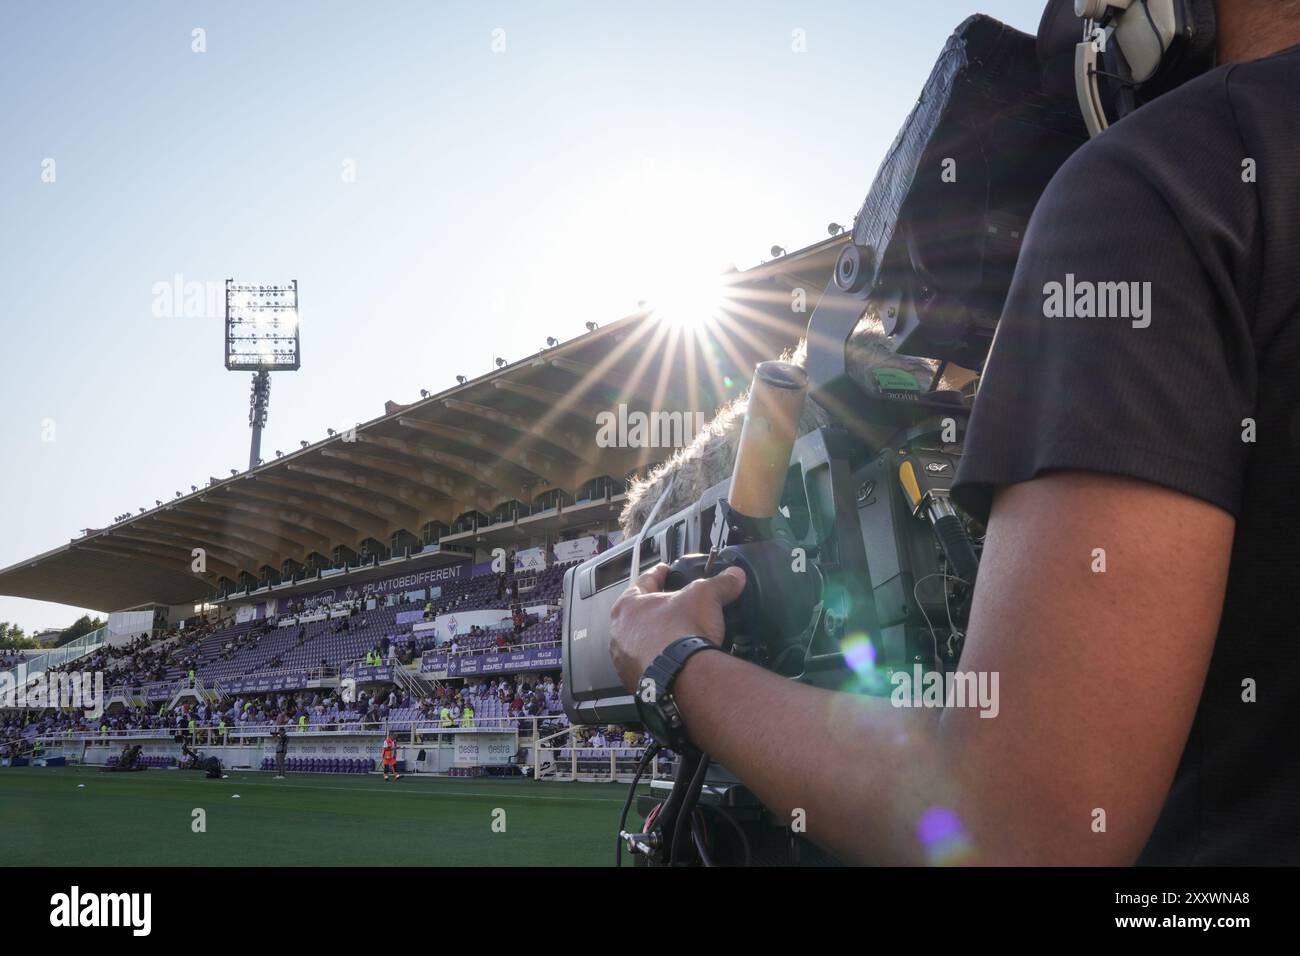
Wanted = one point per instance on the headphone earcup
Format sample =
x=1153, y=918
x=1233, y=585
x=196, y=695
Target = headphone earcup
x=1193, y=52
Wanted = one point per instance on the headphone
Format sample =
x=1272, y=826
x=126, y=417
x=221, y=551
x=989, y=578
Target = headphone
x=1134, y=50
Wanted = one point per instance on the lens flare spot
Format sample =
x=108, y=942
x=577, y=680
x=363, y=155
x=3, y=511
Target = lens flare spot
x=859, y=654
x=863, y=673
x=945, y=841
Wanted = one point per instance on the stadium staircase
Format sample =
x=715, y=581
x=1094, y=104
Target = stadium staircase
x=412, y=682
x=199, y=692
x=127, y=696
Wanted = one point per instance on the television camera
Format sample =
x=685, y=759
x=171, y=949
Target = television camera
x=856, y=559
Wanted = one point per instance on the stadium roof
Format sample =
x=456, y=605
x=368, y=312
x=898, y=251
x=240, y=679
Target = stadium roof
x=514, y=433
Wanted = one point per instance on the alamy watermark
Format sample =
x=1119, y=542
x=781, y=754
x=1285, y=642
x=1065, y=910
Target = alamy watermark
x=1081, y=299
x=127, y=910
x=637, y=429
x=923, y=688
x=183, y=298
x=82, y=690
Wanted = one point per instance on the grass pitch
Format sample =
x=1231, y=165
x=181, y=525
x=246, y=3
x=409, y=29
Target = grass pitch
x=146, y=819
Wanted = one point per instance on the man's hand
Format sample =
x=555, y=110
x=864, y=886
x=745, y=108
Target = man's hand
x=645, y=619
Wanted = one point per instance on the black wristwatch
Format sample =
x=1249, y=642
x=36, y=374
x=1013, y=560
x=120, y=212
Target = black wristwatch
x=653, y=695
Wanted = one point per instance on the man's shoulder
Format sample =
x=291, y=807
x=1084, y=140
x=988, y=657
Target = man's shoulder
x=1212, y=115
x=1262, y=97
x=1159, y=137
x=1278, y=74
x=1172, y=168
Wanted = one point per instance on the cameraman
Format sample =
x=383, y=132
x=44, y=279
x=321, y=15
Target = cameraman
x=130, y=755
x=1135, y=591
x=281, y=737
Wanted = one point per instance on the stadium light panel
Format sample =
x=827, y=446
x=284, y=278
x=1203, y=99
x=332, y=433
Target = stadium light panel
x=262, y=327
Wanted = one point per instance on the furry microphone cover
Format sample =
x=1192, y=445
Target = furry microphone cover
x=712, y=456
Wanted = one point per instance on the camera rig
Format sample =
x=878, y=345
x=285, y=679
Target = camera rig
x=857, y=563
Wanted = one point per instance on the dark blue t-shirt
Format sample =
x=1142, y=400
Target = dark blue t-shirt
x=1191, y=382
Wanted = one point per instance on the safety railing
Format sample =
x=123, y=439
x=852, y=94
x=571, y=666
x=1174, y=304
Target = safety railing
x=72, y=651
x=160, y=690
x=408, y=731
x=465, y=652
x=214, y=735
x=558, y=757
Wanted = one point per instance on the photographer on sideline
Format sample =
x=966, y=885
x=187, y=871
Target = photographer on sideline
x=1149, y=700
x=281, y=737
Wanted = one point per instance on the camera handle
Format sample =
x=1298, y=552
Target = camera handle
x=776, y=605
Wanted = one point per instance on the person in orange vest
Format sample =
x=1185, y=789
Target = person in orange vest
x=390, y=758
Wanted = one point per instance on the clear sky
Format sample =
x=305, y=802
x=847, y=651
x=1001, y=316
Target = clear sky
x=447, y=181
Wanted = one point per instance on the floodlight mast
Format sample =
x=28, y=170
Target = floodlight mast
x=259, y=403
x=261, y=336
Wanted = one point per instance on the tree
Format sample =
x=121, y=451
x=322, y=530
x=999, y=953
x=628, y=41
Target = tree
x=80, y=627
x=13, y=638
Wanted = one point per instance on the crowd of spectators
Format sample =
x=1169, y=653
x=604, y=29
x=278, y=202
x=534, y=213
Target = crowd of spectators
x=240, y=640
x=306, y=710
x=522, y=698
x=501, y=638
x=145, y=660
x=140, y=660
x=178, y=654
x=392, y=650
x=614, y=735
x=301, y=711
x=215, y=722
x=12, y=742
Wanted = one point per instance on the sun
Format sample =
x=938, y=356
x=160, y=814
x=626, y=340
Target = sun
x=687, y=298
x=675, y=249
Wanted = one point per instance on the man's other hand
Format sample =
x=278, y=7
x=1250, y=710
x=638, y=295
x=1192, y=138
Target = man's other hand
x=646, y=619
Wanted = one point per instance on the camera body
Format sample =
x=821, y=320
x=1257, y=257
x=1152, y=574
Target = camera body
x=848, y=564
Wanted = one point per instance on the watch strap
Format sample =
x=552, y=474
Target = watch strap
x=663, y=672
x=673, y=658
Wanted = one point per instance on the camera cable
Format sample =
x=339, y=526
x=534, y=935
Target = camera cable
x=644, y=763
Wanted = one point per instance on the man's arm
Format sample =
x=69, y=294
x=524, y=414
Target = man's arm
x=1099, y=674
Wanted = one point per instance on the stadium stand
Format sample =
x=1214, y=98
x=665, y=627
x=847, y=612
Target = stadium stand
x=156, y=680
x=339, y=592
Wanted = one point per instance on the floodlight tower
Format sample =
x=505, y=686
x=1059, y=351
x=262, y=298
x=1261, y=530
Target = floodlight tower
x=261, y=337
